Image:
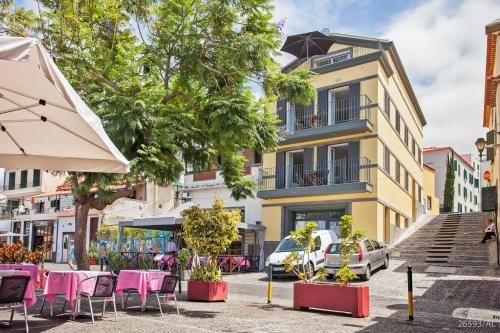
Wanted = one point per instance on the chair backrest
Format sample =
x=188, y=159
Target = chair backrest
x=13, y=288
x=169, y=283
x=46, y=274
x=105, y=286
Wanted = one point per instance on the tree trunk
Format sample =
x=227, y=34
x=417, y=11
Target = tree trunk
x=81, y=217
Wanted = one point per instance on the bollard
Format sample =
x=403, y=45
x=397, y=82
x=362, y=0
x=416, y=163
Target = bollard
x=410, y=294
x=269, y=283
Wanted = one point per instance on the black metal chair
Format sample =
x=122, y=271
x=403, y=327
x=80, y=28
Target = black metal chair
x=104, y=291
x=12, y=290
x=167, y=289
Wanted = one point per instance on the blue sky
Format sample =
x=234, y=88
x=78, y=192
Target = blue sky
x=441, y=43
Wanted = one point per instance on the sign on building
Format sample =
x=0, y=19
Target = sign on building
x=488, y=199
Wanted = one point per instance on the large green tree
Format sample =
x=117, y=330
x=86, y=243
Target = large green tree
x=171, y=81
x=449, y=185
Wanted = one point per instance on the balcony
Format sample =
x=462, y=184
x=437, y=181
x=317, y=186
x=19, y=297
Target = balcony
x=333, y=177
x=334, y=60
x=213, y=178
x=344, y=116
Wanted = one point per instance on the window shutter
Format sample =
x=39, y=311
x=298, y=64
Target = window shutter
x=308, y=159
x=322, y=157
x=354, y=97
x=353, y=161
x=280, y=169
x=281, y=110
x=323, y=106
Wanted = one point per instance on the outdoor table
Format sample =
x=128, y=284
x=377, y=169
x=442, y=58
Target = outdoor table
x=142, y=281
x=67, y=283
x=29, y=295
x=31, y=268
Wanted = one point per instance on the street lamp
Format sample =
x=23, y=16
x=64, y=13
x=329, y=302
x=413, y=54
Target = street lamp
x=480, y=145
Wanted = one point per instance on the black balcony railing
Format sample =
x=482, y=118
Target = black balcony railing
x=8, y=187
x=340, y=171
x=337, y=111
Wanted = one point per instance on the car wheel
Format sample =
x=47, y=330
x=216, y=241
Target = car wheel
x=367, y=275
x=386, y=262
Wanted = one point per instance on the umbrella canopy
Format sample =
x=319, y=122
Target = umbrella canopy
x=3, y=198
x=44, y=124
x=308, y=44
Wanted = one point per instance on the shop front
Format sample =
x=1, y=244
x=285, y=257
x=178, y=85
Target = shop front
x=43, y=237
x=327, y=218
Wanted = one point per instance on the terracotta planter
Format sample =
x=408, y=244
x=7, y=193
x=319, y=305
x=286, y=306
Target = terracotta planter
x=207, y=291
x=92, y=261
x=334, y=297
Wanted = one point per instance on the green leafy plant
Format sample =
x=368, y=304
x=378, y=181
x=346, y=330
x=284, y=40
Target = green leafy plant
x=116, y=260
x=184, y=258
x=449, y=185
x=209, y=233
x=93, y=252
x=299, y=263
x=348, y=247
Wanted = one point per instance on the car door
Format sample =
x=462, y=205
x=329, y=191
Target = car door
x=379, y=253
x=372, y=255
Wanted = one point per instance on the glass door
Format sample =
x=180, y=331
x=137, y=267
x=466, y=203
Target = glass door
x=339, y=105
x=295, y=169
x=337, y=164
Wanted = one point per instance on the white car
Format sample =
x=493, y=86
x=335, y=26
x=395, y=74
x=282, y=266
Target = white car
x=322, y=238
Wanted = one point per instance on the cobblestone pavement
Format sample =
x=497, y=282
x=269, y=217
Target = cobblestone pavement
x=443, y=303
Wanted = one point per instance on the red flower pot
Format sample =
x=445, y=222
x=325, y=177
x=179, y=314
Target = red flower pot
x=208, y=291
x=334, y=297
x=92, y=261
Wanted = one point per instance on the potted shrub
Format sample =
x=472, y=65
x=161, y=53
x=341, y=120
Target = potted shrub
x=184, y=263
x=208, y=233
x=93, y=254
x=340, y=296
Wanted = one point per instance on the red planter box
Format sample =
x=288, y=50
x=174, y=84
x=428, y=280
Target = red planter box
x=208, y=291
x=334, y=297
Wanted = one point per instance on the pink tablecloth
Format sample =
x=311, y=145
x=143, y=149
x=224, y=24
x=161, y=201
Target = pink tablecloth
x=67, y=283
x=33, y=269
x=29, y=295
x=140, y=280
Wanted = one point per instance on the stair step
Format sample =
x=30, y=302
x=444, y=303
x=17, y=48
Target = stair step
x=436, y=261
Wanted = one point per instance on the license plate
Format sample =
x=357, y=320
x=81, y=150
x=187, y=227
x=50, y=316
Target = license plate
x=278, y=269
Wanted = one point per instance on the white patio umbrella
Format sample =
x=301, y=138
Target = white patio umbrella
x=3, y=198
x=44, y=124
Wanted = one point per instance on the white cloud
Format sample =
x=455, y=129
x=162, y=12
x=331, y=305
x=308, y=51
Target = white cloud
x=443, y=48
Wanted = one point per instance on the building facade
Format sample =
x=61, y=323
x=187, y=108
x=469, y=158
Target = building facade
x=356, y=149
x=466, y=187
x=431, y=200
x=491, y=114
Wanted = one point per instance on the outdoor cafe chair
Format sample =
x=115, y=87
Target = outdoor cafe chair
x=12, y=290
x=46, y=274
x=104, y=291
x=167, y=289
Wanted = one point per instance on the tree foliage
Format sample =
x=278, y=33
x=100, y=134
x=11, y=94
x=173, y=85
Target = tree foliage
x=449, y=185
x=172, y=82
x=209, y=233
x=348, y=247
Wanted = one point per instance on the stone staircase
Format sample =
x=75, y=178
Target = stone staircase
x=447, y=240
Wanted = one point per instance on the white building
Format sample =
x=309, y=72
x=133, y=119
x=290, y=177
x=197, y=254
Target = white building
x=467, y=180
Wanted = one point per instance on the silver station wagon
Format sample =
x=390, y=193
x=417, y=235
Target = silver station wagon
x=370, y=255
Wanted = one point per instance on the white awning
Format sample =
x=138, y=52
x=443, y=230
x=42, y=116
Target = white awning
x=44, y=124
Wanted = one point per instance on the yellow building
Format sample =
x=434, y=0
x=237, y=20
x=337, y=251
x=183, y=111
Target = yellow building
x=431, y=201
x=491, y=115
x=357, y=149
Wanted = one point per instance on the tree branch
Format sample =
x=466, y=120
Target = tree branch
x=123, y=193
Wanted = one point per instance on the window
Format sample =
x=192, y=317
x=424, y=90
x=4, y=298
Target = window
x=398, y=172
x=24, y=179
x=413, y=147
x=376, y=244
x=398, y=122
x=459, y=207
x=429, y=203
x=12, y=180
x=406, y=135
x=257, y=157
x=476, y=183
x=471, y=178
x=470, y=197
x=455, y=165
x=459, y=191
x=419, y=156
x=387, y=105
x=475, y=199
x=459, y=171
x=368, y=245
x=419, y=193
x=465, y=193
x=387, y=160
x=36, y=177
x=407, y=180
x=465, y=175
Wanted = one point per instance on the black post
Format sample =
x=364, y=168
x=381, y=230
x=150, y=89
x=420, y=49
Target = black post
x=410, y=294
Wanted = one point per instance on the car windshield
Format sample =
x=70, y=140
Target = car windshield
x=289, y=245
x=336, y=248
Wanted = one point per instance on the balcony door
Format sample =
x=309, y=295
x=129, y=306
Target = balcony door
x=338, y=163
x=339, y=105
x=295, y=168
